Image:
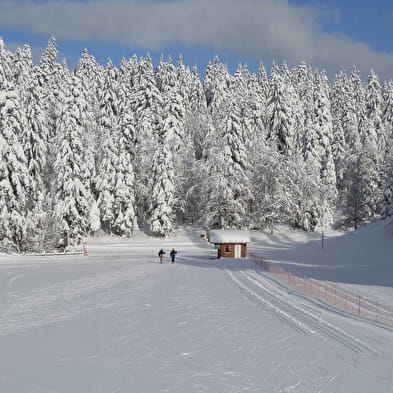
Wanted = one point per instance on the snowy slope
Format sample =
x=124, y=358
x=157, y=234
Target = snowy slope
x=117, y=321
x=361, y=260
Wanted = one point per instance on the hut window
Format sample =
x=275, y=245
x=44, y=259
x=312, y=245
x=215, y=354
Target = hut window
x=228, y=249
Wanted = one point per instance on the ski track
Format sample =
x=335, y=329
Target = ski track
x=261, y=291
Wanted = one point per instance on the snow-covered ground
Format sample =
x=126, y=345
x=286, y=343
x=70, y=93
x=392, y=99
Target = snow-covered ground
x=117, y=321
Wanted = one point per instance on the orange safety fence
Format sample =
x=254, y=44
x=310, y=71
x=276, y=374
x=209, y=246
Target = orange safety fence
x=329, y=294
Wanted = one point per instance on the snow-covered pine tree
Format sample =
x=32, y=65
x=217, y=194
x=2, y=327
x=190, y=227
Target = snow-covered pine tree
x=90, y=73
x=125, y=222
x=374, y=138
x=244, y=87
x=302, y=82
x=36, y=148
x=387, y=206
x=269, y=199
x=279, y=114
x=387, y=113
x=6, y=74
x=257, y=102
x=216, y=86
x=341, y=114
x=225, y=182
x=362, y=194
x=197, y=122
x=175, y=101
x=196, y=117
x=263, y=82
x=53, y=78
x=323, y=125
x=147, y=106
x=14, y=174
x=173, y=105
x=359, y=107
x=71, y=190
x=108, y=135
x=22, y=65
x=373, y=131
x=163, y=196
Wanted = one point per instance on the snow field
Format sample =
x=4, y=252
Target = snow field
x=118, y=321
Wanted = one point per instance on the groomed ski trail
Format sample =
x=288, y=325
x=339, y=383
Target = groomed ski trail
x=265, y=292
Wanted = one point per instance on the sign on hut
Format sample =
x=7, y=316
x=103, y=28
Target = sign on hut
x=229, y=243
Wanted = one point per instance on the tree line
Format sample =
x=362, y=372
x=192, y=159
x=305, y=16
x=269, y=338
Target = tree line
x=116, y=149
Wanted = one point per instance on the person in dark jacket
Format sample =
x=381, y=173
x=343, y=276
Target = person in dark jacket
x=173, y=255
x=161, y=254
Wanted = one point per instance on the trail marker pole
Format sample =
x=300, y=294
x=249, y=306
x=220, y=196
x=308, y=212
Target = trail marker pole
x=335, y=300
x=84, y=248
x=326, y=292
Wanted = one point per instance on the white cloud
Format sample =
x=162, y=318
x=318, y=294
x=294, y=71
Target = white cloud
x=253, y=28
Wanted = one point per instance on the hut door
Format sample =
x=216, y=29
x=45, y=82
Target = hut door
x=238, y=251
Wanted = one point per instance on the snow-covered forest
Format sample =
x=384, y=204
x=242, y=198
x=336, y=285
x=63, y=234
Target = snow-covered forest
x=116, y=148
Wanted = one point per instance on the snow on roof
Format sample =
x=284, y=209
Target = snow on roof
x=219, y=236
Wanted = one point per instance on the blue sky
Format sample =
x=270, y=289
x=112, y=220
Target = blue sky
x=326, y=34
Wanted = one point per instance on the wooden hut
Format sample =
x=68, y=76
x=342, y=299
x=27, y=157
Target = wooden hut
x=229, y=243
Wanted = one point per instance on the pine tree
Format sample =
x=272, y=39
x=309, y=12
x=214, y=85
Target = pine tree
x=34, y=137
x=22, y=65
x=72, y=198
x=125, y=221
x=163, y=197
x=53, y=78
x=373, y=131
x=173, y=105
x=125, y=218
x=6, y=75
x=226, y=186
x=387, y=112
x=196, y=116
x=341, y=112
x=278, y=114
x=323, y=125
x=216, y=86
x=147, y=106
x=387, y=207
x=14, y=176
x=108, y=134
x=361, y=199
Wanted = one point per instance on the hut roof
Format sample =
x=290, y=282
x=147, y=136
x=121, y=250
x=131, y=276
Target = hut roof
x=220, y=236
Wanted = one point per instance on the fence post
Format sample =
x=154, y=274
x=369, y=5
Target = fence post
x=376, y=311
x=335, y=302
x=359, y=306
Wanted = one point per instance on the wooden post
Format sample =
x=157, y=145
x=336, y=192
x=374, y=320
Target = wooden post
x=359, y=307
x=335, y=301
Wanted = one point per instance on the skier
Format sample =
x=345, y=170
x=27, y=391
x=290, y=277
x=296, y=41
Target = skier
x=161, y=254
x=173, y=255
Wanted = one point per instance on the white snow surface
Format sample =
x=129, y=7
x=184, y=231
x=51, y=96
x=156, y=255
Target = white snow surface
x=116, y=321
x=221, y=236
